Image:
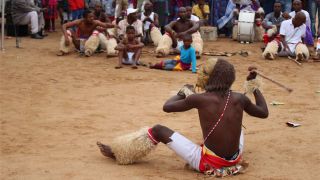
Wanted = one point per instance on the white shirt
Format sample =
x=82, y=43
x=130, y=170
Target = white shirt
x=308, y=21
x=292, y=35
x=193, y=18
x=147, y=23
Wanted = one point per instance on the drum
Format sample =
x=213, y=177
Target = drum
x=246, y=26
x=208, y=33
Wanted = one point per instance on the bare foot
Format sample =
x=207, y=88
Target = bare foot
x=300, y=57
x=118, y=67
x=105, y=150
x=268, y=56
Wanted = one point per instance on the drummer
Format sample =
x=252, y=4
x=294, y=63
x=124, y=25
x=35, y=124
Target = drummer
x=248, y=5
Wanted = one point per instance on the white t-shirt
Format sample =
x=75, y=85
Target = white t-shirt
x=308, y=21
x=193, y=18
x=292, y=35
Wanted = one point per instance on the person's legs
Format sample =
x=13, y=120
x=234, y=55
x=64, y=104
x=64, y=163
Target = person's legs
x=121, y=55
x=32, y=18
x=169, y=64
x=182, y=146
x=313, y=12
x=136, y=58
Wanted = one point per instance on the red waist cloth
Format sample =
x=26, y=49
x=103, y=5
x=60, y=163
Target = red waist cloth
x=210, y=160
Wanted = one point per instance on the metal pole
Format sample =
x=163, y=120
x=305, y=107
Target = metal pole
x=2, y=24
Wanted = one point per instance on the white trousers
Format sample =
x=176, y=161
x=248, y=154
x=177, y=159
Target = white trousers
x=36, y=20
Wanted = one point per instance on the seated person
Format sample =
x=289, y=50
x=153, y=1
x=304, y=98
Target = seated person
x=150, y=22
x=253, y=6
x=132, y=20
x=297, y=6
x=24, y=13
x=190, y=16
x=292, y=32
x=129, y=49
x=175, y=31
x=86, y=37
x=202, y=11
x=186, y=60
x=220, y=112
x=272, y=22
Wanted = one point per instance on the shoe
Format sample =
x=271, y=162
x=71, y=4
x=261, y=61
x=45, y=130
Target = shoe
x=41, y=33
x=36, y=36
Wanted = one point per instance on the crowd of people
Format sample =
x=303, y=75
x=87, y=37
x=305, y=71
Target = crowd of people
x=123, y=27
x=87, y=23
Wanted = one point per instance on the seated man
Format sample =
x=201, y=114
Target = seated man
x=292, y=32
x=220, y=112
x=24, y=13
x=129, y=49
x=272, y=22
x=150, y=25
x=175, y=31
x=132, y=20
x=202, y=11
x=297, y=6
x=186, y=60
x=86, y=38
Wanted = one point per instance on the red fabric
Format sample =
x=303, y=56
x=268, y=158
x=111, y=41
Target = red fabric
x=208, y=161
x=76, y=4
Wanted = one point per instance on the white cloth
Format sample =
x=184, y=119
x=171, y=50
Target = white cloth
x=128, y=60
x=33, y=19
x=308, y=21
x=193, y=18
x=292, y=35
x=147, y=24
x=190, y=151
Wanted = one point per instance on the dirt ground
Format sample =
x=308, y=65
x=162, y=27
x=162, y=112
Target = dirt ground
x=54, y=109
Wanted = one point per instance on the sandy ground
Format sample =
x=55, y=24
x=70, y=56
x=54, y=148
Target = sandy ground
x=54, y=109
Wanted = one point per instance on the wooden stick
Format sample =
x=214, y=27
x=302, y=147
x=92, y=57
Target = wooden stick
x=253, y=68
x=275, y=82
x=294, y=60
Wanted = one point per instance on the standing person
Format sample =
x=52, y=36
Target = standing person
x=286, y=5
x=51, y=14
x=163, y=12
x=129, y=49
x=267, y=5
x=76, y=8
x=221, y=15
x=220, y=113
x=174, y=9
x=109, y=7
x=314, y=6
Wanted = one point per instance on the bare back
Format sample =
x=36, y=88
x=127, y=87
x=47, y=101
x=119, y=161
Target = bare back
x=224, y=140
